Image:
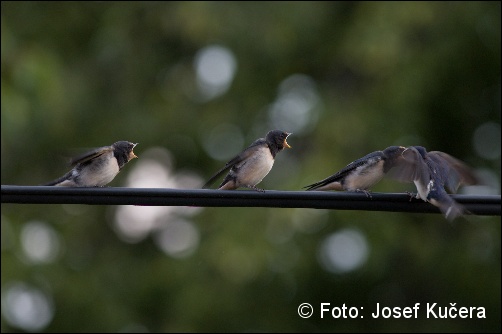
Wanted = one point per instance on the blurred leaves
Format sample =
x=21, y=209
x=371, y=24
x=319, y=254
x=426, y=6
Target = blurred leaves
x=353, y=77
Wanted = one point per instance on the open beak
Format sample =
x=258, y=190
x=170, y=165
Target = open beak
x=285, y=142
x=131, y=154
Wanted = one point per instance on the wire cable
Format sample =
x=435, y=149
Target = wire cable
x=488, y=205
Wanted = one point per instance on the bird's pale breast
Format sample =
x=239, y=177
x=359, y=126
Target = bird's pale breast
x=101, y=171
x=255, y=168
x=365, y=176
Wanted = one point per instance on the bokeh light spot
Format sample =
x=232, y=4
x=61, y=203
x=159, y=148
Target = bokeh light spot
x=154, y=170
x=26, y=307
x=343, y=251
x=223, y=141
x=296, y=107
x=40, y=242
x=178, y=238
x=486, y=140
x=215, y=68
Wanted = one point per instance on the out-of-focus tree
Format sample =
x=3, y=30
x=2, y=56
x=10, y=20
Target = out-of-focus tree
x=194, y=83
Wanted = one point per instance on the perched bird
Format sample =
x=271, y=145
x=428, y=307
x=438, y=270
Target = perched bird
x=435, y=174
x=362, y=173
x=254, y=163
x=98, y=167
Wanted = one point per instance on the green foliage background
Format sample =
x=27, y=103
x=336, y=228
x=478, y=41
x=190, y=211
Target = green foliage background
x=86, y=74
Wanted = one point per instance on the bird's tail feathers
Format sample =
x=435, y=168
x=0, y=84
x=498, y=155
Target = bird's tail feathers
x=452, y=209
x=309, y=187
x=208, y=184
x=59, y=180
x=327, y=184
x=315, y=186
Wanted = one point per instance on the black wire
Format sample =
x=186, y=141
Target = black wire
x=488, y=205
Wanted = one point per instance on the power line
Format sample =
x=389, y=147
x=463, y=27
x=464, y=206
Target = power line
x=488, y=205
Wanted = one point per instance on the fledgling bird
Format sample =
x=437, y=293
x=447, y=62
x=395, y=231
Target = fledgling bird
x=363, y=173
x=97, y=167
x=435, y=174
x=249, y=167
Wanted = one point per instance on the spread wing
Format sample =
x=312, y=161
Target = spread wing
x=90, y=155
x=412, y=167
x=235, y=160
x=458, y=173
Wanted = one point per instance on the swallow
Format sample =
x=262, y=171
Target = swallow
x=97, y=167
x=435, y=175
x=249, y=167
x=363, y=173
